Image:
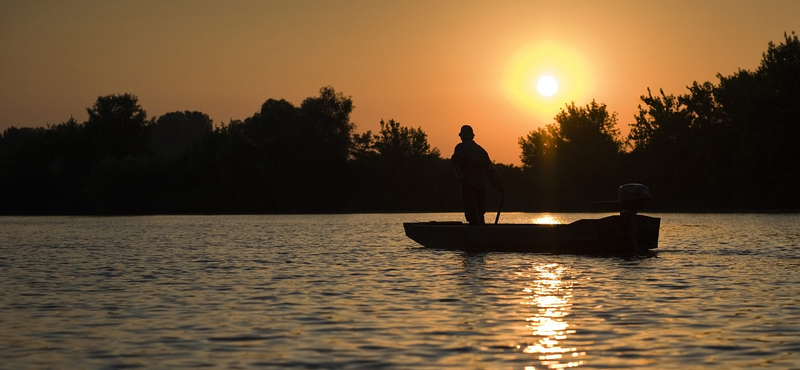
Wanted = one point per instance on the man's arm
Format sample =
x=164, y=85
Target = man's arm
x=494, y=178
x=491, y=173
x=457, y=160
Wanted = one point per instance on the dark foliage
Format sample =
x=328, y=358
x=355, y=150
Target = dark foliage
x=176, y=131
x=730, y=146
x=574, y=161
x=283, y=159
x=726, y=146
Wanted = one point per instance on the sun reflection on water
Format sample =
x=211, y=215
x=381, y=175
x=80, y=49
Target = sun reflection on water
x=547, y=219
x=551, y=295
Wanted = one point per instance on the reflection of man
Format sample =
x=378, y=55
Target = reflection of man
x=473, y=165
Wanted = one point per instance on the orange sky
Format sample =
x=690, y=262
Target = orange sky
x=429, y=64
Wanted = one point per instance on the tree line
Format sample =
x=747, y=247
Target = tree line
x=283, y=159
x=725, y=146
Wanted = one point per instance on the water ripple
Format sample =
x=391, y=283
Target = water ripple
x=352, y=292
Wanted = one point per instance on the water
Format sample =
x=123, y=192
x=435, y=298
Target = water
x=352, y=292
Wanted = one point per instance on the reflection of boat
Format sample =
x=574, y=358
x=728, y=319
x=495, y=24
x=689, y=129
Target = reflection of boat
x=624, y=233
x=591, y=236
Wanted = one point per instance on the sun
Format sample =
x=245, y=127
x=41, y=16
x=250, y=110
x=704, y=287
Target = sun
x=547, y=85
x=541, y=77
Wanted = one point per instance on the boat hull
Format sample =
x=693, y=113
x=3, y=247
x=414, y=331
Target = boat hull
x=589, y=236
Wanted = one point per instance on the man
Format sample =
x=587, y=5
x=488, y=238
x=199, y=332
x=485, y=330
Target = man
x=473, y=166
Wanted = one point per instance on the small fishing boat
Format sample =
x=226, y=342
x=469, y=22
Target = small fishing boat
x=625, y=233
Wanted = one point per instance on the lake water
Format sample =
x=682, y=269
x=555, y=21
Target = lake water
x=352, y=292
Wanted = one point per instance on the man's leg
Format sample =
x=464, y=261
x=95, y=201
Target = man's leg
x=481, y=199
x=469, y=197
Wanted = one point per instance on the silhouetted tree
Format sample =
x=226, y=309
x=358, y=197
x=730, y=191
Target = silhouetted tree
x=42, y=169
x=575, y=158
x=726, y=146
x=398, y=170
x=320, y=157
x=289, y=159
x=395, y=141
x=677, y=142
x=362, y=146
x=327, y=125
x=540, y=150
x=176, y=131
x=763, y=109
x=719, y=146
x=117, y=125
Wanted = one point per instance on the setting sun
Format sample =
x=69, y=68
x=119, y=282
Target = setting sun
x=540, y=78
x=547, y=85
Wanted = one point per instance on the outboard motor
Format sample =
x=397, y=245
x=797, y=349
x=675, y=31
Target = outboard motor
x=630, y=197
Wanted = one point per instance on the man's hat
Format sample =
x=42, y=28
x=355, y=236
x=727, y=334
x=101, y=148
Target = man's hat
x=466, y=132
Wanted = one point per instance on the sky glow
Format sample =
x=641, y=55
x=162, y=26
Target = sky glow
x=556, y=60
x=433, y=65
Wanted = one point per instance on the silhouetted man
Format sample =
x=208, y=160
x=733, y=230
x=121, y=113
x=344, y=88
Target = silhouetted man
x=473, y=166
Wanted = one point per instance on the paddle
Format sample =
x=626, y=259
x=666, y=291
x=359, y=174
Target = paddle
x=499, y=208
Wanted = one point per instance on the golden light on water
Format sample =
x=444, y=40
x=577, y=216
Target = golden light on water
x=551, y=294
x=541, y=78
x=547, y=220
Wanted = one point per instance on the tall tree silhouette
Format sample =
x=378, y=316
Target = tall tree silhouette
x=176, y=131
x=398, y=170
x=725, y=146
x=395, y=141
x=575, y=158
x=763, y=107
x=117, y=125
x=719, y=146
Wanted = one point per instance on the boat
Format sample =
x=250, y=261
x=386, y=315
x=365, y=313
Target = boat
x=626, y=233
